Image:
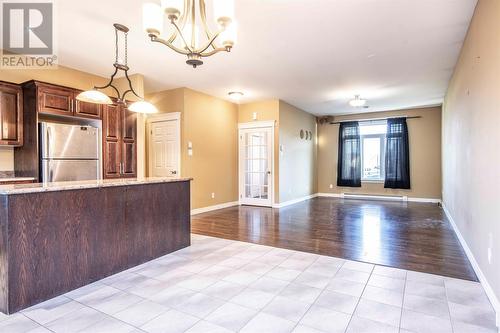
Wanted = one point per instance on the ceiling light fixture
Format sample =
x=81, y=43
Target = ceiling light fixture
x=357, y=102
x=97, y=97
x=235, y=95
x=185, y=39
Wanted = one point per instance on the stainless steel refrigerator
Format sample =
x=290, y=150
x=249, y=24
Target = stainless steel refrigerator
x=69, y=152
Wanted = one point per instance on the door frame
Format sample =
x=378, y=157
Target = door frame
x=157, y=118
x=241, y=174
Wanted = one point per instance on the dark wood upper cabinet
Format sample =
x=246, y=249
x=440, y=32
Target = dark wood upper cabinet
x=111, y=122
x=41, y=100
x=55, y=100
x=87, y=110
x=129, y=125
x=11, y=115
x=119, y=142
x=61, y=101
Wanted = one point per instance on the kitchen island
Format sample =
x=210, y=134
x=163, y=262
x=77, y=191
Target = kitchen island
x=56, y=237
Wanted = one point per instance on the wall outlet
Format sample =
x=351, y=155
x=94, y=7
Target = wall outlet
x=213, y=195
x=331, y=186
x=190, y=152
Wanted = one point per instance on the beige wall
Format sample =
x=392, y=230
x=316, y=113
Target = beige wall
x=297, y=160
x=265, y=110
x=425, y=155
x=79, y=80
x=210, y=124
x=6, y=159
x=62, y=75
x=471, y=142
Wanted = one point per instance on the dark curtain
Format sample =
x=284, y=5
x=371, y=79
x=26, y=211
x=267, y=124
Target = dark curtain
x=349, y=159
x=397, y=155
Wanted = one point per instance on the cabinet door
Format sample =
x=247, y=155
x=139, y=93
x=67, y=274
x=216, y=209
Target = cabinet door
x=11, y=115
x=87, y=110
x=55, y=100
x=111, y=137
x=129, y=144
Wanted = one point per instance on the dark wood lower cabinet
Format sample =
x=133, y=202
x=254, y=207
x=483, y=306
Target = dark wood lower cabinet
x=47, y=251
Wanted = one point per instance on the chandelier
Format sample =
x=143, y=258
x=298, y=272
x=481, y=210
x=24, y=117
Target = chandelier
x=97, y=97
x=189, y=21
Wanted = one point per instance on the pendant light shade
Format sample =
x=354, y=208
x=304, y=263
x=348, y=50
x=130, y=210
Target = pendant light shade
x=173, y=8
x=357, y=102
x=152, y=18
x=224, y=11
x=94, y=96
x=229, y=35
x=142, y=107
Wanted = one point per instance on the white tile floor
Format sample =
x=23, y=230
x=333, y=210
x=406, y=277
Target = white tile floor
x=221, y=286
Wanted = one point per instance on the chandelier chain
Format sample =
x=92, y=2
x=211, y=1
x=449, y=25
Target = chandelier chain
x=116, y=46
x=126, y=48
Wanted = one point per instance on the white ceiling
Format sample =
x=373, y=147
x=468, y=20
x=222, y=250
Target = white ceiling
x=314, y=54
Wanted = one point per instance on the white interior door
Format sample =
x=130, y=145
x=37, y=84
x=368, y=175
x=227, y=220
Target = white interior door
x=256, y=166
x=164, y=149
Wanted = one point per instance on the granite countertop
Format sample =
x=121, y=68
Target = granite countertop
x=77, y=185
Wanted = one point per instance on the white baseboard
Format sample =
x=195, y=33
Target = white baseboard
x=381, y=197
x=294, y=201
x=429, y=200
x=330, y=195
x=214, y=207
x=495, y=302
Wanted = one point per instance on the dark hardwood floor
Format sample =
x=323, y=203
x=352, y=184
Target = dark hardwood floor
x=414, y=236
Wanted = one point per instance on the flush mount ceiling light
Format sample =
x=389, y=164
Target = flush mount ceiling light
x=97, y=97
x=185, y=38
x=235, y=95
x=357, y=102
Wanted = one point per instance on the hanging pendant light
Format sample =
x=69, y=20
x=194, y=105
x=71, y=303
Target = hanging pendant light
x=357, y=102
x=94, y=96
x=97, y=97
x=183, y=16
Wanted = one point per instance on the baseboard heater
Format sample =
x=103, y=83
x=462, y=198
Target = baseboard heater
x=373, y=197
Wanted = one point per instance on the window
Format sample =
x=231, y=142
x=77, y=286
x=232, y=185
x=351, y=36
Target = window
x=373, y=136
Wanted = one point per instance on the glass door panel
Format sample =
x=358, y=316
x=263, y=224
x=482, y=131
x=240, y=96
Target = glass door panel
x=255, y=162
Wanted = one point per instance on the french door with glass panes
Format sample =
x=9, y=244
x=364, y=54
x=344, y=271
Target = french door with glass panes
x=256, y=164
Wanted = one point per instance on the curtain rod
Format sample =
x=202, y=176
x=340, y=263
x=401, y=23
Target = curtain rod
x=372, y=119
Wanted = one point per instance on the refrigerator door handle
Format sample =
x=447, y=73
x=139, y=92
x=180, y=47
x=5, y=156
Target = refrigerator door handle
x=47, y=150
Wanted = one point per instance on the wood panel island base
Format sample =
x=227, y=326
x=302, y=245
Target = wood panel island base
x=57, y=237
